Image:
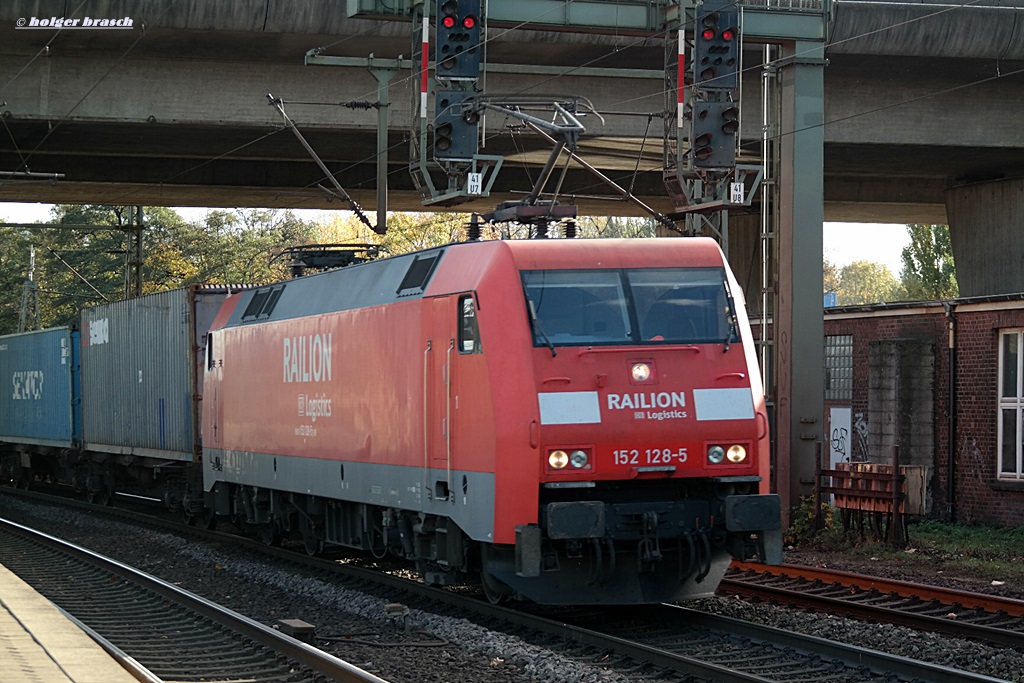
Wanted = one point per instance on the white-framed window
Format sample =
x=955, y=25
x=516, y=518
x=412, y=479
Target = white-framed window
x=1011, y=405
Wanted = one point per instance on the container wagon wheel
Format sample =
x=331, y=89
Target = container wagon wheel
x=101, y=497
x=268, y=534
x=204, y=519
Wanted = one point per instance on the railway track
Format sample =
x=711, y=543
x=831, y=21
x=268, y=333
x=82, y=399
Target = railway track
x=174, y=635
x=966, y=615
x=661, y=642
x=727, y=649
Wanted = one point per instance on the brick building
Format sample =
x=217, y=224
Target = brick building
x=944, y=381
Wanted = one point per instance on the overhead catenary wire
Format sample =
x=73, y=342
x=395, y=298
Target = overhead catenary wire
x=352, y=204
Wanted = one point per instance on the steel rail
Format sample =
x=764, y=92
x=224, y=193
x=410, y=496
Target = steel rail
x=317, y=660
x=861, y=597
x=634, y=640
x=989, y=603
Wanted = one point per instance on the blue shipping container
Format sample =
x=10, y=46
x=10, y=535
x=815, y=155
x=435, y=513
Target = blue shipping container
x=40, y=401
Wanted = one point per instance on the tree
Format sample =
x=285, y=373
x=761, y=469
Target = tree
x=830, y=277
x=15, y=246
x=928, y=269
x=405, y=231
x=616, y=226
x=77, y=268
x=864, y=282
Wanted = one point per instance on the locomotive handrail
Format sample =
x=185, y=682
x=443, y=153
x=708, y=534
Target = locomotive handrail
x=632, y=349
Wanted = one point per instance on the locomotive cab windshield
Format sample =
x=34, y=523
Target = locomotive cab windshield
x=629, y=306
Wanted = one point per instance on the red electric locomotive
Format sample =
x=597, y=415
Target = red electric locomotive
x=574, y=421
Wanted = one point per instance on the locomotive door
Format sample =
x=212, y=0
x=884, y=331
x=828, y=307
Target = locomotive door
x=452, y=391
x=439, y=396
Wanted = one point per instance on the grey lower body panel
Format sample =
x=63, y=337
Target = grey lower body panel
x=469, y=499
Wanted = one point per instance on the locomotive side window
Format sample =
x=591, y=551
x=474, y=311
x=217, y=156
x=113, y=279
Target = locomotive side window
x=634, y=306
x=469, y=329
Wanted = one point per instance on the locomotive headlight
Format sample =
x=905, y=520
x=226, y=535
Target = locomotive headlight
x=578, y=459
x=558, y=459
x=641, y=372
x=716, y=454
x=737, y=453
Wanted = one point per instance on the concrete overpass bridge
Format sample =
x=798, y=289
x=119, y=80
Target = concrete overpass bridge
x=918, y=98
x=920, y=108
x=915, y=118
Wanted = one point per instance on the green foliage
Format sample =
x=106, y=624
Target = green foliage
x=405, y=231
x=928, y=272
x=830, y=277
x=803, y=530
x=615, y=226
x=928, y=269
x=15, y=245
x=968, y=552
x=77, y=268
x=864, y=282
x=977, y=543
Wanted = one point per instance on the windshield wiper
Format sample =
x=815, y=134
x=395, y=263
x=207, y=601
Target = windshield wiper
x=731, y=314
x=538, y=328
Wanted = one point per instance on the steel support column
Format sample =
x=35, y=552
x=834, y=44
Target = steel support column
x=383, y=77
x=799, y=326
x=133, y=252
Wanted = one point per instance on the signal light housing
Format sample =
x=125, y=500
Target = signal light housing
x=457, y=50
x=713, y=134
x=455, y=126
x=716, y=48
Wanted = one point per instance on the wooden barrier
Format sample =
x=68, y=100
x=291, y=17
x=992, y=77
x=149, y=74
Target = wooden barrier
x=872, y=494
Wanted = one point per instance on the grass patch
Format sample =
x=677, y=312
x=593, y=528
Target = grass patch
x=953, y=550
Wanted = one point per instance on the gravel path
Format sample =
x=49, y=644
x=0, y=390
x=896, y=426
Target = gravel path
x=355, y=627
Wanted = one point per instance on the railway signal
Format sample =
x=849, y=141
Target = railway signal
x=458, y=40
x=455, y=125
x=716, y=47
x=713, y=137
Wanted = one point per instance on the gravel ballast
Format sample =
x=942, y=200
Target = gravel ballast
x=355, y=627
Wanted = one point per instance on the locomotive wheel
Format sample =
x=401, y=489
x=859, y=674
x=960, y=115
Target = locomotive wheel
x=496, y=592
x=23, y=479
x=314, y=546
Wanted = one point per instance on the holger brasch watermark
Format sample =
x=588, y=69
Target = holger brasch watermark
x=84, y=22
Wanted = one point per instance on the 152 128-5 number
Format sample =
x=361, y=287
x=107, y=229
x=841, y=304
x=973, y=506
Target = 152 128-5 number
x=649, y=456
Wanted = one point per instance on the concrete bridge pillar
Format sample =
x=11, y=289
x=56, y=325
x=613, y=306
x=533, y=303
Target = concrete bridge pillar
x=986, y=228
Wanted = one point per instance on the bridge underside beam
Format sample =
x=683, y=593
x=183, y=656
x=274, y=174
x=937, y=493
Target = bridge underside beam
x=221, y=166
x=986, y=223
